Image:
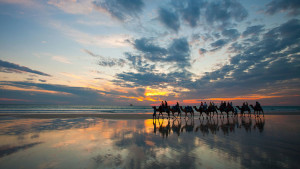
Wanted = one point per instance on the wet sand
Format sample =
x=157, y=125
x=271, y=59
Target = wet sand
x=76, y=115
x=124, y=116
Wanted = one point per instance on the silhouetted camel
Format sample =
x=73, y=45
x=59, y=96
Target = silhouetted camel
x=257, y=109
x=187, y=109
x=243, y=109
x=200, y=110
x=175, y=109
x=226, y=109
x=160, y=109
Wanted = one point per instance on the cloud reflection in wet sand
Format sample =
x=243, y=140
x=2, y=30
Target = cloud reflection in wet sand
x=270, y=142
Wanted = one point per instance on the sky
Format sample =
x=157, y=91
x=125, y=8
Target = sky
x=121, y=52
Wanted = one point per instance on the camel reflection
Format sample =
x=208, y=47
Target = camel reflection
x=206, y=126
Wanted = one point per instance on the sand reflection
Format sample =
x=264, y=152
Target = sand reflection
x=240, y=142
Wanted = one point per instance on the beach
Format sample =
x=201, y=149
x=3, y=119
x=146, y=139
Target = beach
x=136, y=140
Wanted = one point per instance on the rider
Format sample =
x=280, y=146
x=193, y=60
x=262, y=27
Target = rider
x=257, y=105
x=205, y=106
x=177, y=105
x=162, y=104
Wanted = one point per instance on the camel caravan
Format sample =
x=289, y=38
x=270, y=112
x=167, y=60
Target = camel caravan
x=207, y=110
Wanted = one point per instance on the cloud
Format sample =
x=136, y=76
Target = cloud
x=269, y=68
x=105, y=61
x=231, y=33
x=202, y=51
x=169, y=19
x=137, y=62
x=112, y=62
x=193, y=12
x=178, y=52
x=27, y=3
x=219, y=44
x=253, y=30
x=264, y=65
x=190, y=10
x=151, y=51
x=73, y=7
x=61, y=59
x=290, y=6
x=108, y=41
x=12, y=67
x=120, y=9
x=222, y=12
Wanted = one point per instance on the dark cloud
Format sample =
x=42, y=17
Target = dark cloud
x=9, y=67
x=190, y=10
x=222, y=12
x=140, y=79
x=253, y=30
x=178, y=51
x=138, y=63
x=219, y=44
x=112, y=62
x=41, y=80
x=105, y=61
x=291, y=6
x=231, y=33
x=169, y=18
x=202, y=51
x=130, y=79
x=151, y=51
x=121, y=9
x=236, y=47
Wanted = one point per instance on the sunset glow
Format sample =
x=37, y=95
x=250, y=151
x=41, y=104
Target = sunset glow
x=111, y=52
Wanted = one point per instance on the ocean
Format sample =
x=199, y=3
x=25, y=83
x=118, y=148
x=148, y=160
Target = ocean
x=46, y=108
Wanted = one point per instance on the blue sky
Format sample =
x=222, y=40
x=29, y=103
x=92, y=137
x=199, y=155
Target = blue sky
x=117, y=52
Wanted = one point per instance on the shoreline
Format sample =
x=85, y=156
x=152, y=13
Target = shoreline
x=109, y=115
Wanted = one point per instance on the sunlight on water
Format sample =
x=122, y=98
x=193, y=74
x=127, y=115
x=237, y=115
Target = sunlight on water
x=269, y=142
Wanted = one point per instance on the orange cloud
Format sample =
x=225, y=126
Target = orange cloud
x=155, y=92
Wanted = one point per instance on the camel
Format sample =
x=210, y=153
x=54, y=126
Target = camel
x=243, y=109
x=257, y=109
x=175, y=109
x=187, y=109
x=208, y=111
x=200, y=110
x=160, y=109
x=226, y=109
